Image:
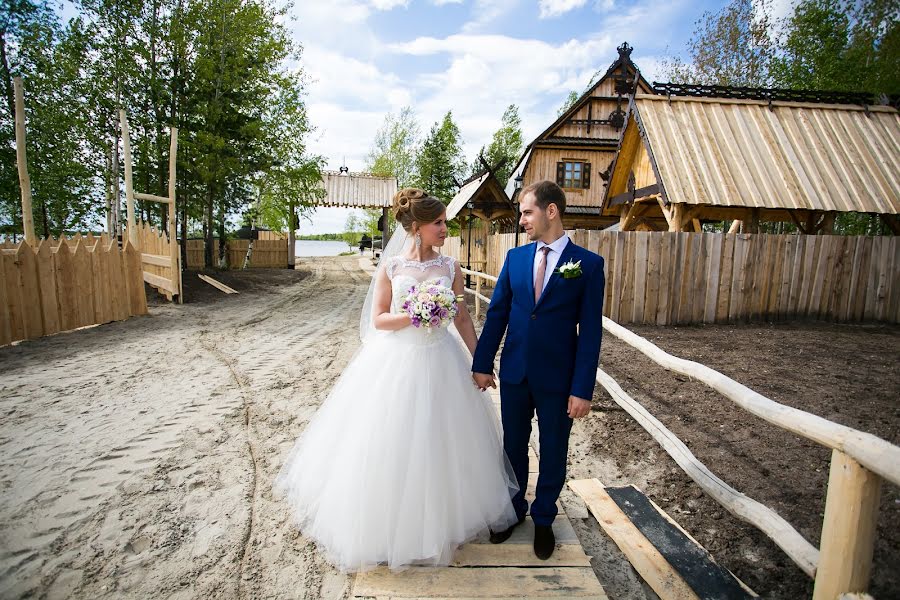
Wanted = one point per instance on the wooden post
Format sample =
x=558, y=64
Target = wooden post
x=133, y=236
x=678, y=214
x=848, y=532
x=292, y=250
x=386, y=232
x=477, y=298
x=22, y=164
x=173, y=233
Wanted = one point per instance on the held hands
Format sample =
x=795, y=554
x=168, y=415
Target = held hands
x=578, y=407
x=483, y=381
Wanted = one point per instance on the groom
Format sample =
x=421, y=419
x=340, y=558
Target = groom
x=549, y=301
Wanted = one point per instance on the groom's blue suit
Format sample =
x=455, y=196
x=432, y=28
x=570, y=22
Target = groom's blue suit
x=551, y=352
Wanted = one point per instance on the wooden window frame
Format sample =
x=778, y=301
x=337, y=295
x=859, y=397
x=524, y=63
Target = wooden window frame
x=568, y=166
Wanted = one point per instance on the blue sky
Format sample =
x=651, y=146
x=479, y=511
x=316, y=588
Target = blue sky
x=473, y=57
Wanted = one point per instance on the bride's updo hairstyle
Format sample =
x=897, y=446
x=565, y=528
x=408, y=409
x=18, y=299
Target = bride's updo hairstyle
x=413, y=204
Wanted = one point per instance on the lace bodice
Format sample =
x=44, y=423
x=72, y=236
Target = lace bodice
x=405, y=273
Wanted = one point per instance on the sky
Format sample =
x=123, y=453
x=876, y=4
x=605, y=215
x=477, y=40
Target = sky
x=367, y=58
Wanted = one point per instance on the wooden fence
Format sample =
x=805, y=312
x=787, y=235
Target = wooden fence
x=266, y=253
x=161, y=263
x=65, y=284
x=679, y=278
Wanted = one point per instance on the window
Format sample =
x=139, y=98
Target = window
x=573, y=174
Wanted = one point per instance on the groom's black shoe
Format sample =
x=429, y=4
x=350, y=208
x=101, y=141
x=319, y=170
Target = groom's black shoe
x=544, y=541
x=498, y=537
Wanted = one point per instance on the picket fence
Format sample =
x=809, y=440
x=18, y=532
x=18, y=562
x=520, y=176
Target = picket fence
x=67, y=283
x=268, y=253
x=667, y=278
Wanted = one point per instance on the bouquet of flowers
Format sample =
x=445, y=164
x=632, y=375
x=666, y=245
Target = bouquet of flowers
x=431, y=305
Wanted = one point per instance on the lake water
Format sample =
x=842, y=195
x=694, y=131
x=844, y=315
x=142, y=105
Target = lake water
x=323, y=248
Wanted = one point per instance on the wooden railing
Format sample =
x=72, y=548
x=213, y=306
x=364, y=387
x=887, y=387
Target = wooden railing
x=859, y=462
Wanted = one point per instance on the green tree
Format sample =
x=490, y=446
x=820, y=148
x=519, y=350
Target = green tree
x=440, y=162
x=396, y=145
x=730, y=47
x=506, y=146
x=568, y=102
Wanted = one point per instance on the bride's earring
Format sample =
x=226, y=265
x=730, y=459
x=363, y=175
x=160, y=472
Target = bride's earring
x=418, y=241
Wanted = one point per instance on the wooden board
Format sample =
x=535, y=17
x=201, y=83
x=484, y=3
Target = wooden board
x=691, y=560
x=645, y=559
x=487, y=582
x=217, y=284
x=518, y=555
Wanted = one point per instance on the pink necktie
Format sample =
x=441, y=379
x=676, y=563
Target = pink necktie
x=539, y=278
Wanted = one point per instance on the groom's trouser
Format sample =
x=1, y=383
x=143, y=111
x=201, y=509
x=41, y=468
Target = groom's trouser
x=519, y=401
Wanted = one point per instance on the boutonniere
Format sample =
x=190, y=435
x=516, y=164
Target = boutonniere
x=570, y=270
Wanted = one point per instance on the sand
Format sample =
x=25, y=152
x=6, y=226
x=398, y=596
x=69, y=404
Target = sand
x=136, y=458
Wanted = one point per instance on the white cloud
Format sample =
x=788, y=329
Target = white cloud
x=389, y=4
x=444, y=2
x=486, y=12
x=486, y=73
x=555, y=8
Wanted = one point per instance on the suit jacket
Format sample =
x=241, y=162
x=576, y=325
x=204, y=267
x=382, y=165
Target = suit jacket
x=555, y=342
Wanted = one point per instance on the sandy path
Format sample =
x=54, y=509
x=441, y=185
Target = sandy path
x=136, y=458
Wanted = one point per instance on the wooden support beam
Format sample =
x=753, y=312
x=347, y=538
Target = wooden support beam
x=801, y=226
x=133, y=236
x=667, y=213
x=152, y=198
x=735, y=226
x=22, y=165
x=848, y=531
x=173, y=228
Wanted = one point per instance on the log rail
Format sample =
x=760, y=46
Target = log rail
x=859, y=462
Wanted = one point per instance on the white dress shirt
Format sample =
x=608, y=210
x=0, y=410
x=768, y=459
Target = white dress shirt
x=556, y=249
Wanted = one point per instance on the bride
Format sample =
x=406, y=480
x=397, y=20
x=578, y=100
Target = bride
x=404, y=460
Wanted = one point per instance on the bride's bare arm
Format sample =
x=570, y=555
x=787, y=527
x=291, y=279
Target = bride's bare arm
x=463, y=320
x=382, y=317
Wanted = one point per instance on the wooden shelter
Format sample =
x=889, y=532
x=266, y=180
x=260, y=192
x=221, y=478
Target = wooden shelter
x=482, y=207
x=694, y=154
x=577, y=149
x=357, y=190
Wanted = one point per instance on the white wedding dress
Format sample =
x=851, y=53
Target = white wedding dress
x=404, y=460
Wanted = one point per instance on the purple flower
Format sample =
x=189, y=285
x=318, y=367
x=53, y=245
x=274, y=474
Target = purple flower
x=443, y=313
x=435, y=321
x=416, y=321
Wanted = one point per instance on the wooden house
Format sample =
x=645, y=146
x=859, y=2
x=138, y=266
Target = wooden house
x=578, y=148
x=691, y=154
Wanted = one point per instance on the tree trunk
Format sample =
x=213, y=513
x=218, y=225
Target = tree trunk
x=208, y=226
x=223, y=256
x=292, y=260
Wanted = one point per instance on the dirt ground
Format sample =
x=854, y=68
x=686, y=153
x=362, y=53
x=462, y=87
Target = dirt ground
x=848, y=374
x=136, y=458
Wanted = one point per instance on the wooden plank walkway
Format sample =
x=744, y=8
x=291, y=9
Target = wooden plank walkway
x=484, y=570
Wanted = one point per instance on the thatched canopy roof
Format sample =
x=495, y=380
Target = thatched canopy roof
x=727, y=152
x=490, y=202
x=357, y=190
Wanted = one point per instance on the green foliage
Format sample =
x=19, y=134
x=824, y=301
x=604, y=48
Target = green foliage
x=731, y=47
x=222, y=71
x=396, y=145
x=440, y=162
x=568, y=102
x=506, y=145
x=840, y=45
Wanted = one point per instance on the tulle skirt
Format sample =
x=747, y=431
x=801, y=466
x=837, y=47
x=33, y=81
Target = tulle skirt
x=404, y=460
